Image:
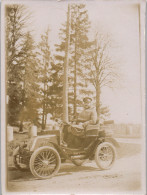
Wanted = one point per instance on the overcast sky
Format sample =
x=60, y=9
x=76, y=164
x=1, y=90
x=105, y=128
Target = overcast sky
x=122, y=22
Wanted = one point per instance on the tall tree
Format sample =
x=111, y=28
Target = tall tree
x=102, y=68
x=44, y=63
x=56, y=90
x=79, y=43
x=66, y=60
x=16, y=19
x=30, y=85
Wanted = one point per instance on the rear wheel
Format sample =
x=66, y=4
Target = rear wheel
x=105, y=155
x=45, y=162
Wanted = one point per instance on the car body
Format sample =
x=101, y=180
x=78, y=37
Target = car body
x=43, y=154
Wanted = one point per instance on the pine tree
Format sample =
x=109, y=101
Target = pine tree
x=44, y=64
x=66, y=61
x=16, y=19
x=79, y=43
x=56, y=90
x=30, y=86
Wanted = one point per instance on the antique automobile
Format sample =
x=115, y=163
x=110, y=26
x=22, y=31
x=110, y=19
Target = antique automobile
x=44, y=154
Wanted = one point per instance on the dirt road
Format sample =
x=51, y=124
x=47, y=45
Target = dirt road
x=125, y=176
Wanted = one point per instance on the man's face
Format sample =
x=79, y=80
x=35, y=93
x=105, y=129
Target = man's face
x=87, y=104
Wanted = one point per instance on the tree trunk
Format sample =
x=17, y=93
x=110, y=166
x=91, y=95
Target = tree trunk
x=43, y=115
x=98, y=101
x=75, y=84
x=21, y=126
x=65, y=81
x=75, y=73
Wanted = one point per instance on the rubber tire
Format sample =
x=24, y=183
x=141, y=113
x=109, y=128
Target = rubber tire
x=32, y=159
x=97, y=154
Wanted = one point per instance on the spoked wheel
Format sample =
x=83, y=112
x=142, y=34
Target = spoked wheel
x=45, y=162
x=78, y=162
x=105, y=155
x=18, y=164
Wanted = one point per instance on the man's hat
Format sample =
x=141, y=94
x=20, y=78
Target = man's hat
x=87, y=99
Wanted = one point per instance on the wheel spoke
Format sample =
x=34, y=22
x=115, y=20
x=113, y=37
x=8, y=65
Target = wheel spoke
x=37, y=166
x=54, y=160
x=39, y=157
x=42, y=155
x=50, y=159
x=38, y=163
x=48, y=154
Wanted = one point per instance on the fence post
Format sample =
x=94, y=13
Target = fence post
x=33, y=131
x=9, y=133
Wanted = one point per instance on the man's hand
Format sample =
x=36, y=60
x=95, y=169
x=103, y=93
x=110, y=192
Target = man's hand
x=85, y=124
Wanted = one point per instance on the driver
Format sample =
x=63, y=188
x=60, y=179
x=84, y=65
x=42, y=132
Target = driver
x=89, y=115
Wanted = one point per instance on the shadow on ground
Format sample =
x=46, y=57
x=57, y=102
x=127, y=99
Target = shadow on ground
x=66, y=169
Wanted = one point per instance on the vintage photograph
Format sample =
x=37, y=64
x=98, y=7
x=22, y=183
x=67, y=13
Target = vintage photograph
x=73, y=97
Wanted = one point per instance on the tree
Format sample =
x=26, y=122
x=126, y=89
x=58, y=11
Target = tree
x=66, y=60
x=30, y=86
x=44, y=64
x=16, y=19
x=79, y=43
x=102, y=68
x=56, y=90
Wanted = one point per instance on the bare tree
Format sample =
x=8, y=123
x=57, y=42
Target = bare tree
x=102, y=68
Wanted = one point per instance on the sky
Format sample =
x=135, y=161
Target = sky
x=121, y=20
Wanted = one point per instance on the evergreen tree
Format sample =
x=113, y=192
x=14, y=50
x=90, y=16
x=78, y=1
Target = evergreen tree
x=16, y=19
x=44, y=64
x=79, y=43
x=30, y=85
x=56, y=90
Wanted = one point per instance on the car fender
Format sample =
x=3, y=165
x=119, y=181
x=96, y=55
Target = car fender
x=43, y=141
x=104, y=139
x=112, y=141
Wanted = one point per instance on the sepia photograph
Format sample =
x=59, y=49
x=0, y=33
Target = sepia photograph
x=73, y=97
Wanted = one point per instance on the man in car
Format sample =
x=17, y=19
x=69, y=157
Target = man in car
x=87, y=117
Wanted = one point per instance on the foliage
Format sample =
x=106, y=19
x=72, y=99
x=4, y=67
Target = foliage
x=16, y=19
x=35, y=75
x=30, y=83
x=46, y=77
x=79, y=43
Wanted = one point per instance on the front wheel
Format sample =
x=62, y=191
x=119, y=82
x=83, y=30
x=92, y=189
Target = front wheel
x=45, y=162
x=105, y=155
